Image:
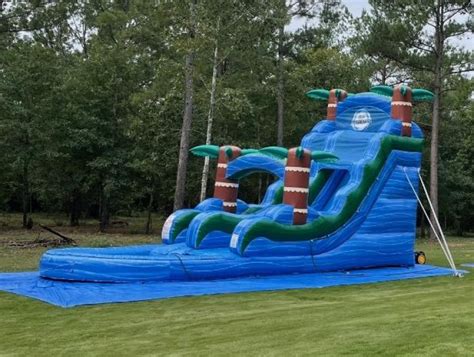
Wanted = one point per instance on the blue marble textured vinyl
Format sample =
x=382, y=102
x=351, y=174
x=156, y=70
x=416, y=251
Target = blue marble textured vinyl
x=380, y=233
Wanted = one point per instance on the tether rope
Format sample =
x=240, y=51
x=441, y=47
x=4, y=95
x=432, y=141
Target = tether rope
x=437, y=221
x=442, y=242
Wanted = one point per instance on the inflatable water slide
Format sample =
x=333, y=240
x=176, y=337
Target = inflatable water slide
x=342, y=200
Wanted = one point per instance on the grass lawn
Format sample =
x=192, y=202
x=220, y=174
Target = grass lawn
x=424, y=317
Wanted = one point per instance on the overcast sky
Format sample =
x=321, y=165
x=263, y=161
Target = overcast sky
x=356, y=7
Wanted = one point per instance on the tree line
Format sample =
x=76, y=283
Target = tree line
x=101, y=100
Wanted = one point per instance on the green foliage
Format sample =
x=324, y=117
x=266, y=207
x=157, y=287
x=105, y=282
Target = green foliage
x=456, y=158
x=404, y=31
x=92, y=92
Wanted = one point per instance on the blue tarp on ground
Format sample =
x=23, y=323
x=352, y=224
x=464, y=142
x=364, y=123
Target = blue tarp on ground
x=69, y=294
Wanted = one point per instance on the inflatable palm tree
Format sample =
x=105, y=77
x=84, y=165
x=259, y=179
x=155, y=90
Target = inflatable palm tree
x=224, y=188
x=402, y=98
x=297, y=172
x=332, y=96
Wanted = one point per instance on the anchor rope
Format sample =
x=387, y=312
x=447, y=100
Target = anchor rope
x=437, y=222
x=443, y=243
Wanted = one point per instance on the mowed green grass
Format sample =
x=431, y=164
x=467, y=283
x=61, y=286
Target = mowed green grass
x=423, y=317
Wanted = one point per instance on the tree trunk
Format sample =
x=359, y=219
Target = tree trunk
x=148, y=219
x=439, y=49
x=25, y=196
x=458, y=228
x=104, y=212
x=210, y=119
x=422, y=226
x=384, y=73
x=434, y=159
x=280, y=87
x=187, y=119
x=75, y=210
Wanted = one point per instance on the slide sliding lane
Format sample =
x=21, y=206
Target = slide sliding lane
x=325, y=224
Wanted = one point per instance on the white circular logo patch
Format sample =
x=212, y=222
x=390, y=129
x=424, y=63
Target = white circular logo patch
x=361, y=120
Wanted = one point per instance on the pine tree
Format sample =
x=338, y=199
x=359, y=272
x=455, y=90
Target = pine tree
x=418, y=35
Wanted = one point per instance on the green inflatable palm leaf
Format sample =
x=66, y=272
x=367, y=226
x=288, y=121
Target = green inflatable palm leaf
x=340, y=91
x=211, y=151
x=382, y=90
x=318, y=94
x=275, y=151
x=422, y=95
x=248, y=151
x=323, y=156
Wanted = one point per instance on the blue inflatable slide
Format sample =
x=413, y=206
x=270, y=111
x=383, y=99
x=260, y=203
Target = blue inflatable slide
x=342, y=201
